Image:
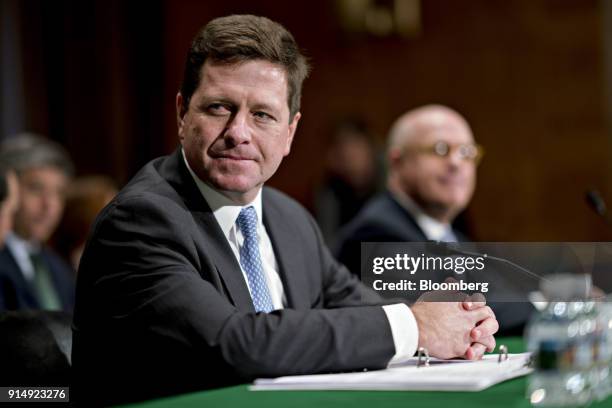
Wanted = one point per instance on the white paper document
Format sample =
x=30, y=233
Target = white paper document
x=440, y=375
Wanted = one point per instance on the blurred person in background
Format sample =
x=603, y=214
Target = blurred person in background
x=432, y=159
x=9, y=200
x=351, y=180
x=31, y=275
x=85, y=198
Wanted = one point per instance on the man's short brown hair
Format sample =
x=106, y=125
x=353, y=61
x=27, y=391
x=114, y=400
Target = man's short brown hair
x=239, y=38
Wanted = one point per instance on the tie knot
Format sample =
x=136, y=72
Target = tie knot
x=247, y=221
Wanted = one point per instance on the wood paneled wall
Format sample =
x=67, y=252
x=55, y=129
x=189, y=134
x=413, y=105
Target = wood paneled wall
x=529, y=76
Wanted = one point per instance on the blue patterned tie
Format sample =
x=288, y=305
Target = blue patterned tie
x=251, y=260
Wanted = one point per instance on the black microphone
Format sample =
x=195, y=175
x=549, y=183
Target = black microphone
x=597, y=204
x=564, y=285
x=454, y=247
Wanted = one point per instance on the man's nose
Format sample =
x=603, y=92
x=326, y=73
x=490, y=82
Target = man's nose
x=237, y=130
x=51, y=200
x=47, y=202
x=454, y=158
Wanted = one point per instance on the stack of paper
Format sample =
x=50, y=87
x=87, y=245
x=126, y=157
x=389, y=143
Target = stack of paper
x=440, y=375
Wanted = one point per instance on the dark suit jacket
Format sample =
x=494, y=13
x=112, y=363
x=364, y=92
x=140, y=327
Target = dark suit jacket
x=383, y=219
x=162, y=306
x=16, y=293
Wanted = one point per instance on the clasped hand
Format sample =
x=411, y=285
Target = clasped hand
x=456, y=329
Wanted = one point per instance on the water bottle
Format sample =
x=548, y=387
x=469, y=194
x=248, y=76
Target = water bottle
x=559, y=340
x=604, y=348
x=586, y=346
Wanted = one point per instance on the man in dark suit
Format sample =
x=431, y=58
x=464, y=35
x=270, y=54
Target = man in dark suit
x=432, y=160
x=196, y=277
x=31, y=275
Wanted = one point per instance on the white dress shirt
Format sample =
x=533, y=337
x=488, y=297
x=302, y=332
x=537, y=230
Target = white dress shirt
x=401, y=319
x=21, y=250
x=226, y=213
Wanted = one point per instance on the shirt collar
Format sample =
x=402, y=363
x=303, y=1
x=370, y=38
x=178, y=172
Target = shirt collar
x=432, y=228
x=225, y=210
x=21, y=250
x=14, y=241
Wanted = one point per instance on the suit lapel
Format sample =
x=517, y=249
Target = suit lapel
x=407, y=219
x=287, y=252
x=224, y=259
x=411, y=223
x=23, y=291
x=216, y=246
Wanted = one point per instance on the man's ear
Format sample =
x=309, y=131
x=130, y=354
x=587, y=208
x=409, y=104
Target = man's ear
x=181, y=109
x=292, y=128
x=394, y=156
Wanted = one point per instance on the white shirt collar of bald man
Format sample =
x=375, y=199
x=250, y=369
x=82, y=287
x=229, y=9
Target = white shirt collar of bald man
x=433, y=229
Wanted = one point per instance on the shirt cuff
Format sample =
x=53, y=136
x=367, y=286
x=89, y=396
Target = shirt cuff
x=404, y=330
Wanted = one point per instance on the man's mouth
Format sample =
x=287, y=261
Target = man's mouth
x=452, y=180
x=234, y=157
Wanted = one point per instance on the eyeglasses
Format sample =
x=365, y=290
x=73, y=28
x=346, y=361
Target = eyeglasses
x=467, y=152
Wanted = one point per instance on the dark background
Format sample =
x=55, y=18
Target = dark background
x=532, y=78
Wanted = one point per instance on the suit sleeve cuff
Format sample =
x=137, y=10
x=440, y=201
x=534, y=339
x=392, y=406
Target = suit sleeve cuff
x=404, y=330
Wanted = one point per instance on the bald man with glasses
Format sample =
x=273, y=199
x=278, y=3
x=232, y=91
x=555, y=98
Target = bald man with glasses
x=432, y=160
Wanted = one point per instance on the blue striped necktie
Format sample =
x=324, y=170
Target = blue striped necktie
x=250, y=260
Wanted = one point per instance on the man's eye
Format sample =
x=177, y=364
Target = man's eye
x=263, y=116
x=218, y=109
